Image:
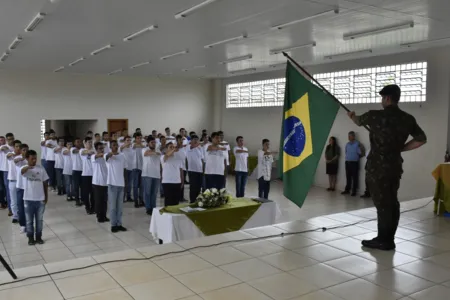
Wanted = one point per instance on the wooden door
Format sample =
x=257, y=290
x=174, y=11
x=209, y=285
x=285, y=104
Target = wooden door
x=115, y=125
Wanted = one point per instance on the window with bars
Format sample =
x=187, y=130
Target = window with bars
x=362, y=85
x=42, y=129
x=256, y=93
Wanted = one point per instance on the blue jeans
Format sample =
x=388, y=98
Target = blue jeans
x=76, y=183
x=263, y=188
x=128, y=183
x=34, y=211
x=59, y=179
x=136, y=184
x=241, y=181
x=21, y=208
x=68, y=185
x=151, y=186
x=115, y=202
x=6, y=184
x=51, y=173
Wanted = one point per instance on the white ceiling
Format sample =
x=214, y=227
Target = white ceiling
x=74, y=28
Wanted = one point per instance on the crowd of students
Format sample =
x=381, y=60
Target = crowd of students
x=102, y=172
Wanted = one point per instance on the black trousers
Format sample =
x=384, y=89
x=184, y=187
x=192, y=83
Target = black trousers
x=172, y=192
x=367, y=191
x=76, y=181
x=384, y=191
x=100, y=200
x=263, y=188
x=352, y=173
x=195, y=185
x=86, y=193
x=215, y=181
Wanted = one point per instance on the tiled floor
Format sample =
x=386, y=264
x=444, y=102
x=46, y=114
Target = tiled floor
x=328, y=265
x=70, y=233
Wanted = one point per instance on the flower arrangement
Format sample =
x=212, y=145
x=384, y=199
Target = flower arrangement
x=213, y=198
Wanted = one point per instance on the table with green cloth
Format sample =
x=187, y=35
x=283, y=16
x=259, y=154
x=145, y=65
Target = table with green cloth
x=442, y=192
x=170, y=224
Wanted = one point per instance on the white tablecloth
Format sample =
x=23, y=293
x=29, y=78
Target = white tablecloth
x=175, y=227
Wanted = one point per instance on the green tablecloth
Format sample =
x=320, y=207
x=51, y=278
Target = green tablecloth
x=229, y=217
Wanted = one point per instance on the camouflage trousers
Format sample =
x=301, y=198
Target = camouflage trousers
x=384, y=195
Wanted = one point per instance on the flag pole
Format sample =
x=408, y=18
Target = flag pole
x=318, y=83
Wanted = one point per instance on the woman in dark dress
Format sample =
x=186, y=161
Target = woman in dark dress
x=332, y=153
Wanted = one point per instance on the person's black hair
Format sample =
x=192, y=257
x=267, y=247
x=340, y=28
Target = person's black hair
x=167, y=128
x=2, y=137
x=179, y=137
x=170, y=143
x=46, y=133
x=87, y=139
x=191, y=133
x=204, y=131
x=265, y=141
x=127, y=137
x=182, y=129
x=89, y=132
x=97, y=144
x=194, y=136
x=214, y=134
x=351, y=133
x=77, y=138
x=9, y=134
x=30, y=153
x=239, y=137
x=113, y=142
x=97, y=134
x=150, y=138
x=105, y=132
x=52, y=131
x=136, y=134
x=17, y=142
x=154, y=131
x=23, y=146
x=220, y=132
x=138, y=129
x=66, y=142
x=333, y=147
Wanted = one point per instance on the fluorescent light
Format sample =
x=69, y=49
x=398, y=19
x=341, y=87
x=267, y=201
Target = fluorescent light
x=348, y=54
x=140, y=65
x=243, y=71
x=4, y=56
x=235, y=59
x=278, y=51
x=352, y=36
x=174, y=54
x=236, y=38
x=115, y=72
x=194, y=8
x=408, y=45
x=35, y=22
x=58, y=70
x=325, y=13
x=95, y=52
x=15, y=43
x=194, y=68
x=76, y=61
x=140, y=32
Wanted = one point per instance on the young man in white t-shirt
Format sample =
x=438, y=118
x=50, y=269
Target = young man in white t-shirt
x=3, y=203
x=21, y=161
x=116, y=162
x=226, y=152
x=77, y=169
x=195, y=158
x=87, y=196
x=99, y=182
x=215, y=163
x=44, y=149
x=151, y=174
x=35, y=197
x=137, y=161
x=172, y=176
x=241, y=168
x=67, y=171
x=180, y=153
x=59, y=166
x=127, y=149
x=51, y=144
x=12, y=179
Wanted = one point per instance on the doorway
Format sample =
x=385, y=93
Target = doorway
x=115, y=125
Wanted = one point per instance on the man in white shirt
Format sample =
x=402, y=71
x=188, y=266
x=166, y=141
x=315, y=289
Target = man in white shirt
x=59, y=166
x=105, y=141
x=151, y=174
x=180, y=154
x=172, y=176
x=127, y=149
x=44, y=149
x=67, y=171
x=169, y=136
x=215, y=163
x=226, y=152
x=51, y=144
x=4, y=150
x=12, y=179
x=3, y=203
x=86, y=176
x=122, y=135
x=241, y=169
x=77, y=170
x=35, y=197
x=115, y=162
x=195, y=158
x=138, y=192
x=99, y=182
x=20, y=162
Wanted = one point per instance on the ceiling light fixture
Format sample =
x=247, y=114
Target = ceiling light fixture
x=35, y=22
x=76, y=61
x=235, y=59
x=140, y=32
x=115, y=72
x=95, y=52
x=352, y=36
x=409, y=45
x=348, y=54
x=325, y=13
x=277, y=65
x=278, y=51
x=194, y=8
x=243, y=71
x=140, y=65
x=174, y=54
x=15, y=43
x=194, y=68
x=58, y=70
x=4, y=56
x=236, y=38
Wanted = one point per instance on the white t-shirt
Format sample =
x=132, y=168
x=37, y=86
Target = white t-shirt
x=99, y=171
x=171, y=169
x=130, y=158
x=138, y=158
x=181, y=155
x=214, y=162
x=241, y=159
x=34, y=184
x=67, y=168
x=87, y=163
x=50, y=152
x=4, y=166
x=12, y=172
x=116, y=165
x=195, y=157
x=185, y=141
x=59, y=159
x=77, y=164
x=225, y=152
x=264, y=165
x=106, y=148
x=151, y=166
x=20, y=179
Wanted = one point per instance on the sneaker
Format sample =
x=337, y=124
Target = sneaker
x=100, y=220
x=345, y=193
x=69, y=199
x=378, y=244
x=31, y=241
x=121, y=228
x=78, y=204
x=353, y=195
x=114, y=229
x=14, y=221
x=136, y=205
x=149, y=212
x=365, y=196
x=10, y=214
x=23, y=229
x=141, y=204
x=129, y=200
x=39, y=241
x=107, y=220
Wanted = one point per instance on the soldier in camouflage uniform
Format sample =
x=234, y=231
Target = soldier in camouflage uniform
x=390, y=128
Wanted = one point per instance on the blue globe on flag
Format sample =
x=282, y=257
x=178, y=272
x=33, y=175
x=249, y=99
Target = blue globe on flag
x=294, y=136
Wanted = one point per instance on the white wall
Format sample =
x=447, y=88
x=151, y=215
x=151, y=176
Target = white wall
x=148, y=103
x=257, y=123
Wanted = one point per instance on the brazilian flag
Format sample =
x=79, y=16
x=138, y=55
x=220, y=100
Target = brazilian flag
x=308, y=115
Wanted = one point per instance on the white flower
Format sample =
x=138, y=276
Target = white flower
x=200, y=204
x=206, y=192
x=223, y=191
x=214, y=190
